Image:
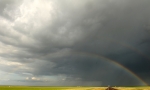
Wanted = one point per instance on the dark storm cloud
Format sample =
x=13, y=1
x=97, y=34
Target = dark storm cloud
x=87, y=69
x=43, y=39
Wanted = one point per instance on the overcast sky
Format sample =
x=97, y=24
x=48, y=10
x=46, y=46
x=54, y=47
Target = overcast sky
x=75, y=42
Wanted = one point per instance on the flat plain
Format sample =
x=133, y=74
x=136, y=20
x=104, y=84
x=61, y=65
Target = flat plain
x=68, y=88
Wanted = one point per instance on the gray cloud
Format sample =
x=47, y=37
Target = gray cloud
x=47, y=40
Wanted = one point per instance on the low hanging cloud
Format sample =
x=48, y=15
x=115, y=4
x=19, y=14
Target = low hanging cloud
x=45, y=38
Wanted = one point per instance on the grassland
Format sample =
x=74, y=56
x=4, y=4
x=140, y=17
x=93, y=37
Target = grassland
x=68, y=88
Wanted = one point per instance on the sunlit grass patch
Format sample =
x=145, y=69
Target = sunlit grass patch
x=68, y=88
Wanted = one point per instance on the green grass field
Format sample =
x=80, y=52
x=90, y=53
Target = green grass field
x=68, y=88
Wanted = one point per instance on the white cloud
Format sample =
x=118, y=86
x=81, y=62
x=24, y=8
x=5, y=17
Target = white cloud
x=27, y=78
x=9, y=63
x=34, y=78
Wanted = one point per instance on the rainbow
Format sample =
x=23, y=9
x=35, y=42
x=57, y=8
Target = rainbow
x=101, y=57
x=113, y=62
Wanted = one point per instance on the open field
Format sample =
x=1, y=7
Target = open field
x=68, y=88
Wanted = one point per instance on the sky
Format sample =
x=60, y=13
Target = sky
x=75, y=42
